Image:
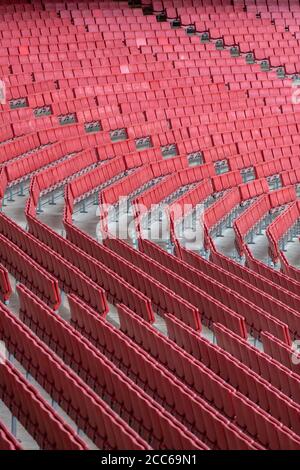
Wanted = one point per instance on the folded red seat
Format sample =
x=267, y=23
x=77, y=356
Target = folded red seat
x=7, y=440
x=5, y=287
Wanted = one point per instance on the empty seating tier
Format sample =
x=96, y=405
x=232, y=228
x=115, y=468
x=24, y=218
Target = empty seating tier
x=149, y=225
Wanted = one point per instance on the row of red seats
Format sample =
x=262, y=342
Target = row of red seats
x=132, y=182
x=7, y=440
x=187, y=202
x=256, y=211
x=125, y=186
x=23, y=47
x=5, y=287
x=287, y=315
x=288, y=150
x=57, y=69
x=218, y=211
x=164, y=299
x=30, y=11
x=138, y=178
x=53, y=61
x=282, y=140
x=240, y=376
x=85, y=408
x=263, y=92
x=15, y=148
x=204, y=420
x=29, y=164
x=249, y=218
x=6, y=131
x=157, y=193
x=282, y=196
x=215, y=102
x=262, y=363
x=290, y=177
x=204, y=296
x=70, y=278
x=34, y=413
x=166, y=187
x=257, y=279
x=245, y=139
x=26, y=270
x=54, y=133
x=19, y=49
x=274, y=167
x=259, y=116
x=19, y=62
x=21, y=91
x=280, y=226
x=226, y=181
x=246, y=160
x=108, y=283
x=57, y=174
x=122, y=62
x=88, y=182
x=30, y=124
x=253, y=189
x=248, y=311
x=195, y=174
x=160, y=167
x=53, y=97
x=156, y=425
x=279, y=278
x=281, y=152
x=84, y=184
x=194, y=115
x=225, y=133
x=131, y=97
x=64, y=27
x=260, y=427
x=82, y=116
